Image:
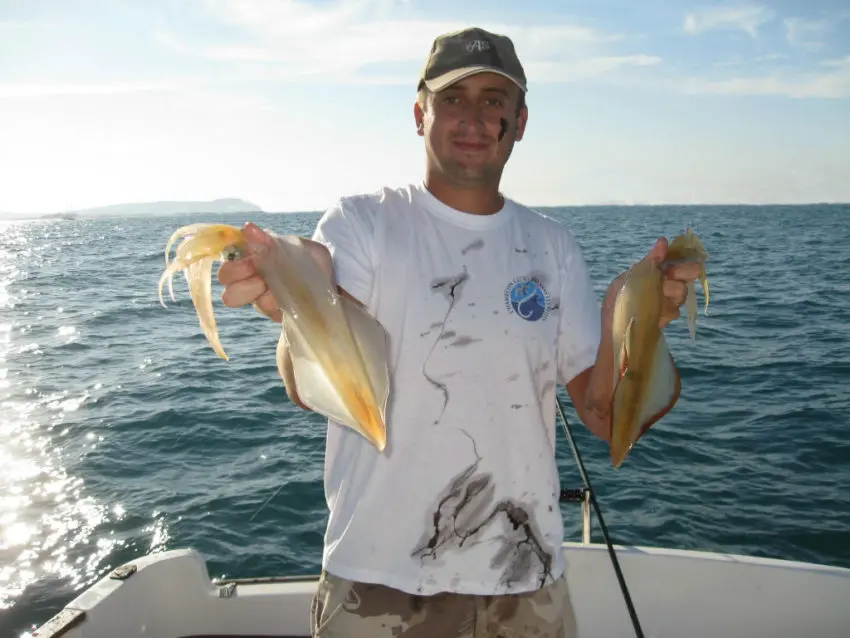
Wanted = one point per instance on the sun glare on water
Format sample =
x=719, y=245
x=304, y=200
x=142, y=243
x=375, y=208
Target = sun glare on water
x=53, y=532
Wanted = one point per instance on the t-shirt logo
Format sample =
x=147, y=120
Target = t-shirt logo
x=527, y=298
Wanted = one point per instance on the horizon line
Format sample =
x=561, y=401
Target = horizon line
x=12, y=216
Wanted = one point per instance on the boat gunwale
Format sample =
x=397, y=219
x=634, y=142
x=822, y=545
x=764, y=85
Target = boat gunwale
x=76, y=612
x=621, y=550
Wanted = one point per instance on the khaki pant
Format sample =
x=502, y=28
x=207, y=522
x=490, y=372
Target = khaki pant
x=347, y=609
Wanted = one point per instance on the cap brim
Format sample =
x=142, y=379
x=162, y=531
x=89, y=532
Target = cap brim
x=447, y=79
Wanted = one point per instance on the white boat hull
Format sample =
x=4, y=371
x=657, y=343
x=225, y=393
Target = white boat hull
x=676, y=593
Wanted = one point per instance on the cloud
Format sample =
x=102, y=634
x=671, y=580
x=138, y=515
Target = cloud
x=587, y=68
x=744, y=17
x=56, y=90
x=234, y=53
x=830, y=81
x=23, y=24
x=811, y=34
x=384, y=41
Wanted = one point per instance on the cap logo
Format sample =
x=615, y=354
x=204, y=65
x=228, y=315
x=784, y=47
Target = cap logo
x=477, y=45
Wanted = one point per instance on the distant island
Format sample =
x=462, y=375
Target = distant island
x=227, y=205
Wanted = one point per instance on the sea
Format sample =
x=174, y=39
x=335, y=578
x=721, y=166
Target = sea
x=122, y=433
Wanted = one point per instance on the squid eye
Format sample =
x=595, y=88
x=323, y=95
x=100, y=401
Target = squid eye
x=230, y=253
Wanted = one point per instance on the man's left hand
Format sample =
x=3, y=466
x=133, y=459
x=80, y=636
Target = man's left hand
x=676, y=278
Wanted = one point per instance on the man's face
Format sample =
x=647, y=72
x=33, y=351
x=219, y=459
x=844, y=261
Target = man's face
x=461, y=126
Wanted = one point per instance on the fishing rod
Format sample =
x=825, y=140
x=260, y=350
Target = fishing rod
x=268, y=500
x=602, y=526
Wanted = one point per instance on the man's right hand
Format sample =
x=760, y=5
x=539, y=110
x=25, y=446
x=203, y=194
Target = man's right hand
x=243, y=284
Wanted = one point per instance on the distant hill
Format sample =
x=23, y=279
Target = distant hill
x=136, y=209
x=170, y=208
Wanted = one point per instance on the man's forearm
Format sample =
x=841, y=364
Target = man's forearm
x=592, y=390
x=600, y=389
x=284, y=363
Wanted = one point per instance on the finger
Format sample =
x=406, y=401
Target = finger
x=256, y=235
x=683, y=272
x=266, y=305
x=244, y=292
x=669, y=313
x=232, y=271
x=658, y=251
x=675, y=292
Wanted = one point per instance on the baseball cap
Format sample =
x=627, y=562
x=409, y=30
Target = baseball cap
x=459, y=54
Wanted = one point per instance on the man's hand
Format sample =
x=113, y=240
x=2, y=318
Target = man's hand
x=242, y=283
x=676, y=278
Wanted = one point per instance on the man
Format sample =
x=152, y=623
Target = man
x=455, y=530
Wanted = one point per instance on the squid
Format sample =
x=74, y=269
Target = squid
x=338, y=351
x=647, y=384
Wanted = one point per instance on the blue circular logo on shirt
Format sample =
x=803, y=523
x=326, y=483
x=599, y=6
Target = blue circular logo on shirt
x=527, y=298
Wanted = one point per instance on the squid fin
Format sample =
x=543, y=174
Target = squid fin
x=660, y=394
x=319, y=392
x=662, y=391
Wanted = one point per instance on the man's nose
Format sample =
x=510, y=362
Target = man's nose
x=474, y=116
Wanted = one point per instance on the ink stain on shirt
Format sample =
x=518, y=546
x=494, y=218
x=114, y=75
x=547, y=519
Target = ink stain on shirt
x=451, y=287
x=463, y=340
x=466, y=508
x=476, y=245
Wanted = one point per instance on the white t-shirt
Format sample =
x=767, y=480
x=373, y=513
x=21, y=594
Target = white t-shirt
x=485, y=313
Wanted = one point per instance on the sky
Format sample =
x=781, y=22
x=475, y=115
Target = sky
x=291, y=104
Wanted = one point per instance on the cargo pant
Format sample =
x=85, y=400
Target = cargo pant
x=347, y=609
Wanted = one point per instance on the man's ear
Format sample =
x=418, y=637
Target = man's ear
x=419, y=118
x=521, y=121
